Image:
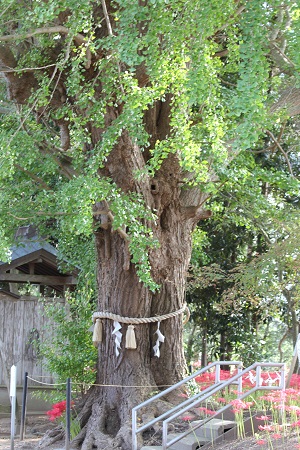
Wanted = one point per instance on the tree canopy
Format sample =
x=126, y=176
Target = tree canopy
x=226, y=72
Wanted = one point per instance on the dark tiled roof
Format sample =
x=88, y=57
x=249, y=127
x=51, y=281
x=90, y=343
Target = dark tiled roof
x=29, y=246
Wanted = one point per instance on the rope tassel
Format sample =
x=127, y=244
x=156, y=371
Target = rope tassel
x=97, y=332
x=130, y=337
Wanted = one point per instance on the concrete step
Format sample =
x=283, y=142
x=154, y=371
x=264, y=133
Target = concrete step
x=213, y=429
x=250, y=426
x=189, y=442
x=152, y=447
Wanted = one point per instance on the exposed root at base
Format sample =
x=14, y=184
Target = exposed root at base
x=52, y=436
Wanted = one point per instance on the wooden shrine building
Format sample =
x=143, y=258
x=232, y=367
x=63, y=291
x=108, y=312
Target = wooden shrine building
x=33, y=270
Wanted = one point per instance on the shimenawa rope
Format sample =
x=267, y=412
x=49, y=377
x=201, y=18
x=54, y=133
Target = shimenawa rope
x=137, y=320
x=131, y=321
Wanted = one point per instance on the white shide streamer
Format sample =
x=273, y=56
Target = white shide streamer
x=160, y=339
x=118, y=336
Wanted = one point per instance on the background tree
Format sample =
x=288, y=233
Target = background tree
x=243, y=279
x=122, y=119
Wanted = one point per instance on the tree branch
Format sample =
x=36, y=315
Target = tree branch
x=236, y=13
x=27, y=69
x=195, y=212
x=284, y=56
x=33, y=177
x=78, y=38
x=109, y=27
x=282, y=151
x=44, y=30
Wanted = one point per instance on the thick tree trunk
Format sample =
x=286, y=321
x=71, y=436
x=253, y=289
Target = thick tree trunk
x=129, y=378
x=133, y=375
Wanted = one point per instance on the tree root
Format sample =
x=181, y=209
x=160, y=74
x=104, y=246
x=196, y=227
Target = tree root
x=104, y=428
x=107, y=428
x=52, y=436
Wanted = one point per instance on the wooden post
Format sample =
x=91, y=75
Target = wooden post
x=68, y=415
x=24, y=404
x=13, y=394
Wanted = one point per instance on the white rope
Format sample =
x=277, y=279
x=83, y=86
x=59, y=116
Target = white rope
x=46, y=384
x=137, y=320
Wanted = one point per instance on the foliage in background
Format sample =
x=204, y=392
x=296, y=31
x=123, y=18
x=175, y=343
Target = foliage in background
x=243, y=284
x=69, y=351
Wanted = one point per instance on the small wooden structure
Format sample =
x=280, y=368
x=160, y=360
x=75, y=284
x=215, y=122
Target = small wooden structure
x=33, y=269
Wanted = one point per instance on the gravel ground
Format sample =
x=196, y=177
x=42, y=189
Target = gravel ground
x=38, y=425
x=35, y=428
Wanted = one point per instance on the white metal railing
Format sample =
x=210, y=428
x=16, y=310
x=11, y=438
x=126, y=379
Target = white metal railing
x=240, y=395
x=216, y=364
x=194, y=401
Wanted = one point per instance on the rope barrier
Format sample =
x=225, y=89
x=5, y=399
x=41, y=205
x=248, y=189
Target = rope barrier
x=47, y=384
x=127, y=386
x=43, y=376
x=137, y=320
x=101, y=385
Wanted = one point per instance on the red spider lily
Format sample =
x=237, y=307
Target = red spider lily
x=261, y=442
x=276, y=436
x=207, y=377
x=239, y=405
x=292, y=392
x=187, y=418
x=54, y=413
x=294, y=408
x=295, y=381
x=207, y=411
x=266, y=427
x=263, y=418
x=280, y=407
x=266, y=378
x=297, y=446
x=296, y=424
x=221, y=400
x=57, y=410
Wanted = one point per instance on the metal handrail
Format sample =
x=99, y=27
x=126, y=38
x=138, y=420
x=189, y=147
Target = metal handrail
x=216, y=364
x=224, y=384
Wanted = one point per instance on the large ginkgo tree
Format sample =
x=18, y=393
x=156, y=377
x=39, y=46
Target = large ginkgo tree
x=119, y=119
